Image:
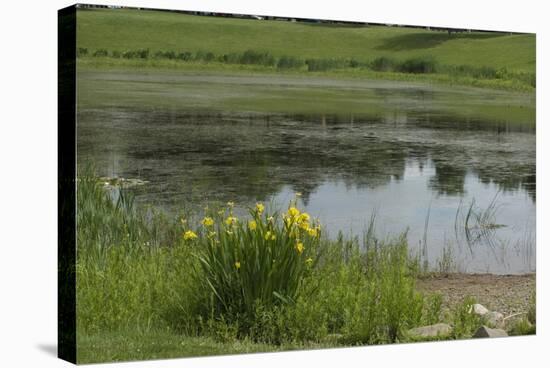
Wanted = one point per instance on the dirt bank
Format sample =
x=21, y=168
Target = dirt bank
x=508, y=294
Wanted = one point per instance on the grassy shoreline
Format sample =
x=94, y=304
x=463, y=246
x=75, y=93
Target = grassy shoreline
x=216, y=68
x=149, y=286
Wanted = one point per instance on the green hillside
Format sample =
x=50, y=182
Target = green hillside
x=125, y=29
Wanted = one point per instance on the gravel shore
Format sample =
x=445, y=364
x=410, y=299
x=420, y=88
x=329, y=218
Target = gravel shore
x=507, y=294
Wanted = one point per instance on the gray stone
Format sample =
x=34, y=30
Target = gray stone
x=479, y=310
x=485, y=331
x=439, y=329
x=494, y=319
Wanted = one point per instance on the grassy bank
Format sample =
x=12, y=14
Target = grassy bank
x=154, y=287
x=154, y=39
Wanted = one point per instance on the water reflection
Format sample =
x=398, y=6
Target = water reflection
x=344, y=166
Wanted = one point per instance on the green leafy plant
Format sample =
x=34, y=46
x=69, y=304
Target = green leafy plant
x=262, y=260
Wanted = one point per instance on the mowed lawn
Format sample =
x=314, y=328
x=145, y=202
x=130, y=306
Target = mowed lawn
x=126, y=29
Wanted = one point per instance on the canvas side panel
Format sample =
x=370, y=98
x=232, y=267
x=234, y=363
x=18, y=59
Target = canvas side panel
x=66, y=130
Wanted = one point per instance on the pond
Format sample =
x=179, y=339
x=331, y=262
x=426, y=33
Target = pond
x=454, y=167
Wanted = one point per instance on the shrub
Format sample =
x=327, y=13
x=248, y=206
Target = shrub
x=383, y=64
x=205, y=56
x=165, y=55
x=185, y=56
x=257, y=57
x=418, y=65
x=314, y=65
x=82, y=51
x=289, y=62
x=232, y=58
x=136, y=54
x=116, y=54
x=100, y=53
x=353, y=63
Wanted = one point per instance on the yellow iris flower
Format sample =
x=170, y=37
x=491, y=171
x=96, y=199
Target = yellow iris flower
x=259, y=208
x=304, y=217
x=293, y=212
x=189, y=235
x=208, y=221
x=230, y=220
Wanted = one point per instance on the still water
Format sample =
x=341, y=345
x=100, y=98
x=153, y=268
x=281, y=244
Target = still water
x=415, y=169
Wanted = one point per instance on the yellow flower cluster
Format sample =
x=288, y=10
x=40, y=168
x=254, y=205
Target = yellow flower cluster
x=299, y=247
x=293, y=212
x=259, y=208
x=189, y=235
x=302, y=221
x=230, y=220
x=252, y=225
x=208, y=221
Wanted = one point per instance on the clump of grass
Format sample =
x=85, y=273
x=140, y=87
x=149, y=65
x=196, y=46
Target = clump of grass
x=432, y=311
x=528, y=324
x=464, y=321
x=108, y=219
x=446, y=263
x=393, y=304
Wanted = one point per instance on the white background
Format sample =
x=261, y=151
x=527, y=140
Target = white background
x=28, y=180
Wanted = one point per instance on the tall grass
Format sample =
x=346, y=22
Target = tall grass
x=386, y=302
x=129, y=262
